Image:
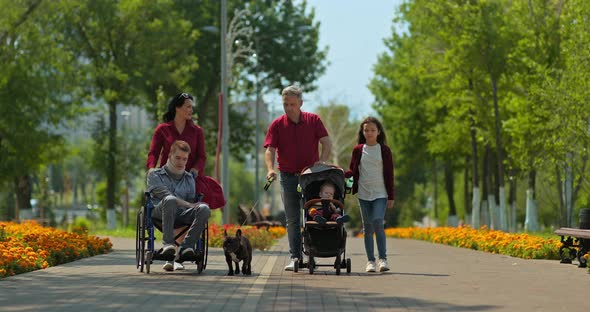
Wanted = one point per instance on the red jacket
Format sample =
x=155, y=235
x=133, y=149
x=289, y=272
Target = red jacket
x=166, y=133
x=387, y=157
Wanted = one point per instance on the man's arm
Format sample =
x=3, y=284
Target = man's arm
x=156, y=186
x=185, y=204
x=326, y=149
x=158, y=190
x=269, y=159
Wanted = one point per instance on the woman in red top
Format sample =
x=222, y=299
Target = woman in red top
x=178, y=125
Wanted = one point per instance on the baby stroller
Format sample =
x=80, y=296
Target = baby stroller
x=145, y=252
x=329, y=239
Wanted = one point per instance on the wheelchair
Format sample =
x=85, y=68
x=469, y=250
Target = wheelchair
x=145, y=252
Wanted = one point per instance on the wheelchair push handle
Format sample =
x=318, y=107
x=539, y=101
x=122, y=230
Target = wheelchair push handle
x=269, y=181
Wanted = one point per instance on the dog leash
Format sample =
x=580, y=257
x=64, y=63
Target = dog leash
x=269, y=181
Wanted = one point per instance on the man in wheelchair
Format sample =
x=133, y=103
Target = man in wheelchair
x=173, y=191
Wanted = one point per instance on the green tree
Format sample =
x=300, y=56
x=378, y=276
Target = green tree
x=343, y=132
x=127, y=50
x=285, y=39
x=34, y=79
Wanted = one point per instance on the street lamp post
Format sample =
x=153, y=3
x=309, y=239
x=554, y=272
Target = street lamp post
x=237, y=28
x=225, y=114
x=126, y=115
x=257, y=137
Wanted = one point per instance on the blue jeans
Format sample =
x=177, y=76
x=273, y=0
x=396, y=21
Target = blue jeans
x=292, y=202
x=373, y=213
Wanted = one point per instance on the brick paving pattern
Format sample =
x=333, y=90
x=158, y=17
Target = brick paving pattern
x=423, y=277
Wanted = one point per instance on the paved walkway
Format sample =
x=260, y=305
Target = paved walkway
x=424, y=277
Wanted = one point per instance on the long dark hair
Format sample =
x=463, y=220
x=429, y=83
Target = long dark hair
x=381, y=139
x=176, y=101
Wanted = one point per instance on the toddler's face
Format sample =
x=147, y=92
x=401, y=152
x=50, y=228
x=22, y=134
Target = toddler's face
x=327, y=192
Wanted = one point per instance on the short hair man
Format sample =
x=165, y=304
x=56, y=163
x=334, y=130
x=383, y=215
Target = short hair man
x=293, y=138
x=173, y=192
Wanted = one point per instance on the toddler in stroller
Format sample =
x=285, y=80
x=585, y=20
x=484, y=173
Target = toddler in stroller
x=327, y=210
x=324, y=235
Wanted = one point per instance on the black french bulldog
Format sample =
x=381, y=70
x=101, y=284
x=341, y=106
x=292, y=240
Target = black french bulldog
x=238, y=249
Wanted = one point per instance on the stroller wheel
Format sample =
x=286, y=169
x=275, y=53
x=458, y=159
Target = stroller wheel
x=337, y=264
x=296, y=267
x=311, y=265
x=348, y=265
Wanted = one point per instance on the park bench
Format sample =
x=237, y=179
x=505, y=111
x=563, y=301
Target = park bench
x=251, y=216
x=576, y=238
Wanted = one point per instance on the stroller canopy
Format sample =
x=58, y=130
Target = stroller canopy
x=316, y=173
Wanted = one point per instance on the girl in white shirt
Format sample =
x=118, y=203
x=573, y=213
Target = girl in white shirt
x=371, y=167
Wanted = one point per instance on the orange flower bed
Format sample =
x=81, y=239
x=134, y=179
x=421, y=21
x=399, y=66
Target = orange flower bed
x=517, y=245
x=259, y=238
x=28, y=246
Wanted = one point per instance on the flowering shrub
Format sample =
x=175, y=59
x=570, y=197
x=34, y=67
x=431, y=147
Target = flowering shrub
x=259, y=238
x=277, y=231
x=517, y=245
x=29, y=246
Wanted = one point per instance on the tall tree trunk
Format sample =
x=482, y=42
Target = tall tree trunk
x=580, y=177
x=531, y=223
x=205, y=107
x=485, y=213
x=23, y=194
x=466, y=206
x=559, y=183
x=568, y=190
x=450, y=190
x=111, y=165
x=435, y=184
x=492, y=211
x=476, y=196
x=512, y=200
x=500, y=158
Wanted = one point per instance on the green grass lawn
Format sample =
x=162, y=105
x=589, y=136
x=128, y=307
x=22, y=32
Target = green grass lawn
x=119, y=232
x=129, y=232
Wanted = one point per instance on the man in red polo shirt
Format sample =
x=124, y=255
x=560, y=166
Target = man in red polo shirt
x=293, y=138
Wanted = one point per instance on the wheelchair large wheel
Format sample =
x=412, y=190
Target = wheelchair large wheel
x=206, y=241
x=200, y=266
x=140, y=241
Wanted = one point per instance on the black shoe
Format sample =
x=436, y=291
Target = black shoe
x=168, y=250
x=343, y=219
x=319, y=219
x=186, y=254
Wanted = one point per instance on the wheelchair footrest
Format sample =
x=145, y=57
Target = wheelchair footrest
x=159, y=256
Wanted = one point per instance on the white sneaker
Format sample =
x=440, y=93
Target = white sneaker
x=178, y=266
x=291, y=265
x=383, y=265
x=168, y=266
x=371, y=266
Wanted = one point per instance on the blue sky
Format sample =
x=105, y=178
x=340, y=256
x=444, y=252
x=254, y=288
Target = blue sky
x=354, y=31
